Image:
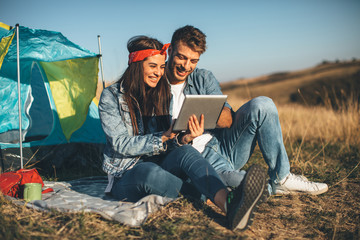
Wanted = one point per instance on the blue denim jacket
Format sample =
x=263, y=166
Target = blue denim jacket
x=123, y=149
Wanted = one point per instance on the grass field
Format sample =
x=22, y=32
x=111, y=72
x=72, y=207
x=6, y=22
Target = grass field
x=323, y=143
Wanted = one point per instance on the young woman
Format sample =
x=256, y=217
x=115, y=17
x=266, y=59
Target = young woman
x=143, y=156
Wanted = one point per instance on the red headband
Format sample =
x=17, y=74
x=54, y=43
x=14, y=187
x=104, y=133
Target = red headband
x=142, y=54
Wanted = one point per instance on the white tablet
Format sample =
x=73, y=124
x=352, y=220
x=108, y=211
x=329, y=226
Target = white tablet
x=209, y=105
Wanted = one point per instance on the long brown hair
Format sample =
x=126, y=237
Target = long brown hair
x=150, y=101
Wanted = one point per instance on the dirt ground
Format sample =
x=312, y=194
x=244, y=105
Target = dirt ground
x=333, y=215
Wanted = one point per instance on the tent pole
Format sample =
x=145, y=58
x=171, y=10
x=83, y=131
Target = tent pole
x=19, y=97
x=101, y=63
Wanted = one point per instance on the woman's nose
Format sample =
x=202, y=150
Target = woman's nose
x=157, y=71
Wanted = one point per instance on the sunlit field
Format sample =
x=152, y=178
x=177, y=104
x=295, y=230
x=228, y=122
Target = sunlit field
x=323, y=143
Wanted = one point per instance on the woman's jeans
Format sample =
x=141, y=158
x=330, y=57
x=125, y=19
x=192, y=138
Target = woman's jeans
x=168, y=177
x=231, y=148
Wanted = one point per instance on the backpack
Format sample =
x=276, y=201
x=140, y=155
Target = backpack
x=11, y=183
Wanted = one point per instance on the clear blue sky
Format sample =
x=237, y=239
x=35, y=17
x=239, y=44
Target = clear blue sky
x=245, y=38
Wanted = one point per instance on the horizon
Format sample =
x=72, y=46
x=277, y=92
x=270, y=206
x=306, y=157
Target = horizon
x=245, y=40
x=321, y=64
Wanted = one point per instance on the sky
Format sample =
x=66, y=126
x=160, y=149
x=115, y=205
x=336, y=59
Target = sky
x=244, y=38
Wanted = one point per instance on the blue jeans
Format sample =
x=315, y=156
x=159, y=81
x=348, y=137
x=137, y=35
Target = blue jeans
x=231, y=148
x=167, y=176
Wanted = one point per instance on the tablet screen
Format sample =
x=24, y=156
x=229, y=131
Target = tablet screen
x=209, y=105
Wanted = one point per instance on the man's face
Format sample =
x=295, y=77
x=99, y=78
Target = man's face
x=182, y=61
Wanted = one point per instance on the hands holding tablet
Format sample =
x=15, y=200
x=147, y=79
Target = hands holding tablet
x=195, y=129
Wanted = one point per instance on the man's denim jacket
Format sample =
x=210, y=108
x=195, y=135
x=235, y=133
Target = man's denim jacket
x=123, y=149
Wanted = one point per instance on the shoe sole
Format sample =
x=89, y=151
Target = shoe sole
x=253, y=193
x=287, y=192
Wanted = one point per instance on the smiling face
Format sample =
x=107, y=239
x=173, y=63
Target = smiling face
x=182, y=61
x=154, y=67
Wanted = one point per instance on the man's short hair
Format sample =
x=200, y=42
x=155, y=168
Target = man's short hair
x=191, y=36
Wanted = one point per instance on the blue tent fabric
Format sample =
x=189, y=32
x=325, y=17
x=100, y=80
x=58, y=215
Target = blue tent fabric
x=43, y=45
x=3, y=32
x=40, y=122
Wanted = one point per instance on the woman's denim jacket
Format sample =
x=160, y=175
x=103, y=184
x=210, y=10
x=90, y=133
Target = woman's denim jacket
x=123, y=149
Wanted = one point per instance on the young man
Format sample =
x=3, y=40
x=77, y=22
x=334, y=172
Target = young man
x=229, y=147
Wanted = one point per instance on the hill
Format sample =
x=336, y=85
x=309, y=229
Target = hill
x=326, y=83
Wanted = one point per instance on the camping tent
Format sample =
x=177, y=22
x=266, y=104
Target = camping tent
x=58, y=81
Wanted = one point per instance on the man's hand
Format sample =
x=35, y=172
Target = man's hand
x=196, y=128
x=225, y=119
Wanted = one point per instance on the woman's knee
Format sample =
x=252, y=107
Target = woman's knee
x=144, y=179
x=185, y=152
x=150, y=173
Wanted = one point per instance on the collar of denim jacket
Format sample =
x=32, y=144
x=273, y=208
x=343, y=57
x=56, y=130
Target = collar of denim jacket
x=121, y=88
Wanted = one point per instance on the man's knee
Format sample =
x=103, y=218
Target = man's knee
x=263, y=105
x=257, y=108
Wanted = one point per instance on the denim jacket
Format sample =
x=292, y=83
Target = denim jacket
x=123, y=149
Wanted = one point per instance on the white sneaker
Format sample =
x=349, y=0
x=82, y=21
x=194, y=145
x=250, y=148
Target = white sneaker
x=294, y=184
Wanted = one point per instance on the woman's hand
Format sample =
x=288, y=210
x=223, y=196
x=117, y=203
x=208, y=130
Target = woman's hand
x=169, y=134
x=196, y=129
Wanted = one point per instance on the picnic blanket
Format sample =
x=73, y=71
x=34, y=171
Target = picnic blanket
x=87, y=194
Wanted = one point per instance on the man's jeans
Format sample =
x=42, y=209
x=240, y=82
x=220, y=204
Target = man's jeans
x=167, y=177
x=231, y=148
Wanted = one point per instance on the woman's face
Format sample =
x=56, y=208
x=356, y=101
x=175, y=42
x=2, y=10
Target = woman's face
x=153, y=69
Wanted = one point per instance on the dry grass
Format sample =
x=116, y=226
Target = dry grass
x=319, y=123
x=19, y=222
x=322, y=144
